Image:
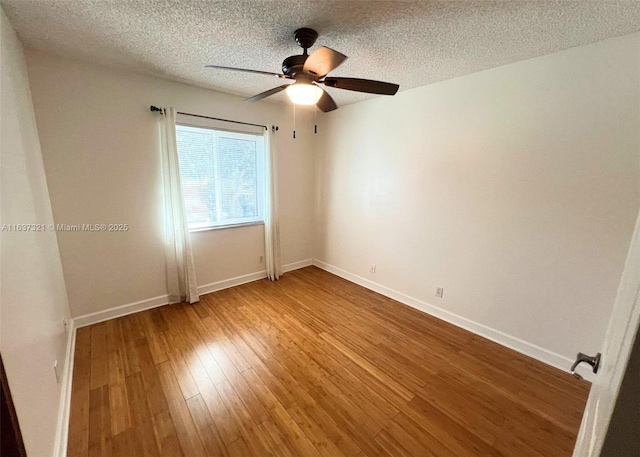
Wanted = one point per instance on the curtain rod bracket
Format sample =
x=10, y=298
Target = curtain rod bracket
x=274, y=128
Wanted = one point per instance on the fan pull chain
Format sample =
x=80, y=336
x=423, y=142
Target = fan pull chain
x=294, y=121
x=315, y=118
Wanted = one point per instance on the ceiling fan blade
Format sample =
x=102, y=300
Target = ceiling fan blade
x=322, y=61
x=362, y=85
x=268, y=73
x=265, y=94
x=326, y=103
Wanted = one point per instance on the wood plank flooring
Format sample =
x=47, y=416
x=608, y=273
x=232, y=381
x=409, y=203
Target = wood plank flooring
x=311, y=365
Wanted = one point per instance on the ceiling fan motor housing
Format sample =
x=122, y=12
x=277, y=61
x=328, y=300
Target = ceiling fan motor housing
x=293, y=65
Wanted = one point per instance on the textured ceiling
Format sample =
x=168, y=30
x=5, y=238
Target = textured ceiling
x=411, y=43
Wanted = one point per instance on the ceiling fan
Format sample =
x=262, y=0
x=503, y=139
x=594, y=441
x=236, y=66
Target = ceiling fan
x=310, y=71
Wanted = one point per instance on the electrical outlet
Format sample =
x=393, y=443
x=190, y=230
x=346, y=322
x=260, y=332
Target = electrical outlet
x=372, y=268
x=439, y=292
x=55, y=370
x=260, y=259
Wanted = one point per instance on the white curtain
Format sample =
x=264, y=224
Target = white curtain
x=271, y=227
x=181, y=273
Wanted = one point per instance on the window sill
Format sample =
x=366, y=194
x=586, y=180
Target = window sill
x=223, y=227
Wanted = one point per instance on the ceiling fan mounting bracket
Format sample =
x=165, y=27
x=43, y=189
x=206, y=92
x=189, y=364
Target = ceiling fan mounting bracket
x=305, y=37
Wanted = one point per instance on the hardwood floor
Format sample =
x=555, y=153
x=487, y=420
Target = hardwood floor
x=311, y=365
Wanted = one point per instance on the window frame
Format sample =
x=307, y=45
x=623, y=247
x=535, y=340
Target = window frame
x=261, y=177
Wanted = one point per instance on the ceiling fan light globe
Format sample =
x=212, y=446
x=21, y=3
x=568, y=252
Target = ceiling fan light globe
x=304, y=94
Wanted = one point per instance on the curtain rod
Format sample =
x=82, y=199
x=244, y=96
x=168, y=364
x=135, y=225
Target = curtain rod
x=160, y=110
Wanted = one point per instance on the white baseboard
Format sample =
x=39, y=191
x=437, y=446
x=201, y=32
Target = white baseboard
x=296, y=265
x=550, y=358
x=62, y=429
x=119, y=311
x=231, y=282
x=238, y=280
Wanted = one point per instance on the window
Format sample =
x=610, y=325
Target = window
x=222, y=176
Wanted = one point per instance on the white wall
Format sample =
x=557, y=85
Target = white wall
x=33, y=300
x=99, y=144
x=516, y=189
